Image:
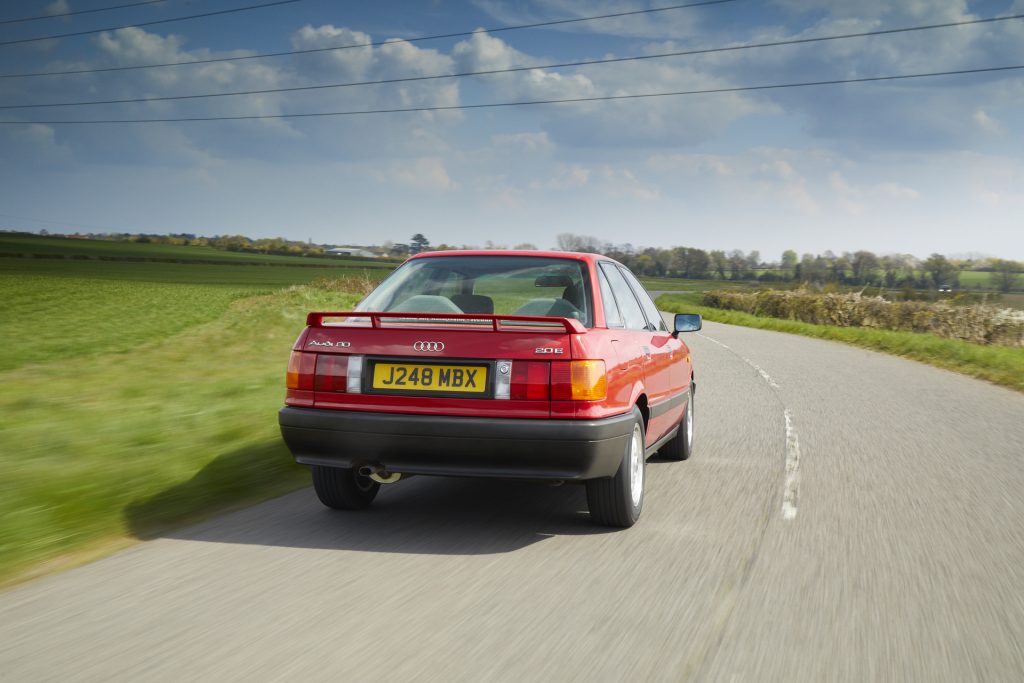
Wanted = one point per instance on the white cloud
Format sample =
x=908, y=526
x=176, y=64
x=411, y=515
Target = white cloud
x=676, y=121
x=986, y=122
x=427, y=174
x=569, y=177
x=351, y=63
x=483, y=52
x=35, y=145
x=58, y=7
x=530, y=142
x=396, y=58
x=678, y=23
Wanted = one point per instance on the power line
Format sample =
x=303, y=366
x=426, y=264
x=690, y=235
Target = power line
x=147, y=23
x=493, y=105
x=609, y=60
x=81, y=11
x=358, y=45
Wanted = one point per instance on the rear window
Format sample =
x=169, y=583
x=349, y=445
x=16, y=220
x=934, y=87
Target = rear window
x=502, y=285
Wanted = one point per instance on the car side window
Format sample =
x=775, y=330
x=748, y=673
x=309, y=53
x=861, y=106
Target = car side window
x=629, y=307
x=650, y=310
x=612, y=316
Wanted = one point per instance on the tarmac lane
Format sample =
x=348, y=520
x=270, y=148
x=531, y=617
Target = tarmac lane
x=846, y=516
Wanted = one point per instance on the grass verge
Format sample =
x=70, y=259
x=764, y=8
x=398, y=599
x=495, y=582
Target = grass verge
x=1000, y=365
x=98, y=449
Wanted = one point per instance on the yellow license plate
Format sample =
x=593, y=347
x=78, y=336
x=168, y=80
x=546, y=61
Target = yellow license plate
x=442, y=378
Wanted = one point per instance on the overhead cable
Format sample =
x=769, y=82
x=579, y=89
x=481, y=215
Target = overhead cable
x=233, y=10
x=493, y=105
x=81, y=11
x=459, y=34
x=489, y=72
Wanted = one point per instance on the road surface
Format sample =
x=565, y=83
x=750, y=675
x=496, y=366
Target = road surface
x=847, y=516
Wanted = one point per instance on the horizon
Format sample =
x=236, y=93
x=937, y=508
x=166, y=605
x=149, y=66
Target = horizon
x=626, y=248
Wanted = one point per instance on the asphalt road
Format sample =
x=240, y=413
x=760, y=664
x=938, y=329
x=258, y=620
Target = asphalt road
x=847, y=516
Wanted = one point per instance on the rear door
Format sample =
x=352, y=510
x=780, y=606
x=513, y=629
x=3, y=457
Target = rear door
x=635, y=348
x=665, y=361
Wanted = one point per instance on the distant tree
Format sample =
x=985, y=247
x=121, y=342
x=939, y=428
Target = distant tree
x=1005, y=274
x=568, y=241
x=789, y=262
x=526, y=246
x=644, y=265
x=813, y=268
x=838, y=265
x=753, y=261
x=939, y=271
x=418, y=243
x=690, y=262
x=719, y=262
x=863, y=264
x=737, y=264
x=897, y=269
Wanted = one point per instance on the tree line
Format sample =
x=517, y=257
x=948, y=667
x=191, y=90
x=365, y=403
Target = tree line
x=856, y=268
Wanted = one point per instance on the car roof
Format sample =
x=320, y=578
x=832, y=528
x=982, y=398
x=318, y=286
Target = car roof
x=574, y=255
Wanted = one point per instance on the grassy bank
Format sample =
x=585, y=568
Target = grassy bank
x=999, y=365
x=125, y=407
x=100, y=447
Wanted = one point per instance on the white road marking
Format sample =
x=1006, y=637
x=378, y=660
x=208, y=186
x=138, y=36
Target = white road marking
x=791, y=486
x=764, y=375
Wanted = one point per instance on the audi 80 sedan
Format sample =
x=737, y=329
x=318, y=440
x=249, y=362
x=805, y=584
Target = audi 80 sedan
x=518, y=364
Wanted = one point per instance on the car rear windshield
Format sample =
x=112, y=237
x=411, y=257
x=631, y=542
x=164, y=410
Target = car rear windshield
x=503, y=285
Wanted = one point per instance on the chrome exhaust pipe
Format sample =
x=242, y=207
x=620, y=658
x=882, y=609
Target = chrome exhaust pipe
x=379, y=474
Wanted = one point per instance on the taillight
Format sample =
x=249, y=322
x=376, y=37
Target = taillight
x=331, y=372
x=578, y=380
x=530, y=381
x=300, y=370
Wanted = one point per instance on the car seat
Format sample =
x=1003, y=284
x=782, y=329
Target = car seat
x=574, y=295
x=474, y=303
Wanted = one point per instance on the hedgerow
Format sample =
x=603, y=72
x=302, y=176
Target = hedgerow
x=980, y=324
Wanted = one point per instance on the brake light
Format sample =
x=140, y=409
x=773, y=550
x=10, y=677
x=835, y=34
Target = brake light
x=331, y=372
x=578, y=380
x=530, y=381
x=300, y=370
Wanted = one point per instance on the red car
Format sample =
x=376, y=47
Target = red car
x=522, y=364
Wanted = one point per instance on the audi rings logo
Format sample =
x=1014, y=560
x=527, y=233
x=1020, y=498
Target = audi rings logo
x=428, y=346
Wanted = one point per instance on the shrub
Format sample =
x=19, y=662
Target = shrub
x=978, y=323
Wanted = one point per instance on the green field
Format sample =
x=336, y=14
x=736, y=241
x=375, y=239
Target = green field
x=1000, y=365
x=35, y=247
x=140, y=394
x=177, y=273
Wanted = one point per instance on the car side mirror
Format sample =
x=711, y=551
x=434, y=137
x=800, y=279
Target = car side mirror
x=686, y=322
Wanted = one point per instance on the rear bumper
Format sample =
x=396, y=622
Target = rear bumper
x=457, y=446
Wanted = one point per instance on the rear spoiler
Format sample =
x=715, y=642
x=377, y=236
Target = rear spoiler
x=571, y=326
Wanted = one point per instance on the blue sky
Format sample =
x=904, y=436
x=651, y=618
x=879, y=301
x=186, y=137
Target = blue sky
x=908, y=166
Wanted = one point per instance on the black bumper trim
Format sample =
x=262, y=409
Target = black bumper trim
x=457, y=446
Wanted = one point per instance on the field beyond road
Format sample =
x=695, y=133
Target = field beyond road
x=139, y=394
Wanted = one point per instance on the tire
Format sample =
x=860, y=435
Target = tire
x=343, y=488
x=617, y=501
x=681, y=445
